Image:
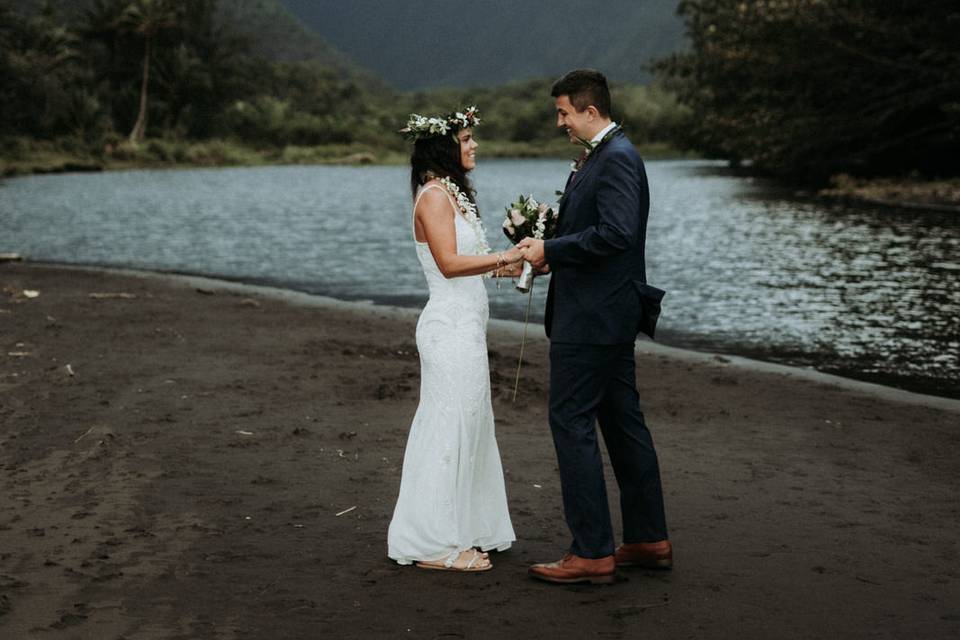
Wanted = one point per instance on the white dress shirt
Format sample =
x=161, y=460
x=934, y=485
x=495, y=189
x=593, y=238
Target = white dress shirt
x=597, y=138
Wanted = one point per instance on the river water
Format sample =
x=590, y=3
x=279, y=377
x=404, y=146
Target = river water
x=869, y=293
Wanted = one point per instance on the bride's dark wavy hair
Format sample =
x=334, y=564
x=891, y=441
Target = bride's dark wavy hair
x=440, y=156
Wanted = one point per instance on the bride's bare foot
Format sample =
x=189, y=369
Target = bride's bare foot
x=466, y=561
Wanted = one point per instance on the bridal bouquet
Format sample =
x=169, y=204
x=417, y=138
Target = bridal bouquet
x=527, y=218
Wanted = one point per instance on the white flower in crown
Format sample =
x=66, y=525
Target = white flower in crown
x=438, y=126
x=472, y=117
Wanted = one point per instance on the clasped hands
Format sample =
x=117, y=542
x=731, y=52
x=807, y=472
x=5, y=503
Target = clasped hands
x=531, y=250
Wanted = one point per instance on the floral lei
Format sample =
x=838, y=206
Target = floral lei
x=470, y=214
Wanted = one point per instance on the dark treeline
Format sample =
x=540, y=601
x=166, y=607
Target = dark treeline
x=805, y=89
x=810, y=88
x=118, y=73
x=127, y=69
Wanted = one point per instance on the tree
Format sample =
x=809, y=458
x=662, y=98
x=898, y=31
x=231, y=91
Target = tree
x=39, y=71
x=147, y=19
x=807, y=88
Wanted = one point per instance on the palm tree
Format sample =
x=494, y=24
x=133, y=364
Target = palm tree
x=147, y=18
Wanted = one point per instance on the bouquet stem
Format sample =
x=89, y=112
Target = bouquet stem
x=525, y=282
x=523, y=342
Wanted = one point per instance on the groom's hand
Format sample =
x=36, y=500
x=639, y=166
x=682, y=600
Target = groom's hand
x=533, y=252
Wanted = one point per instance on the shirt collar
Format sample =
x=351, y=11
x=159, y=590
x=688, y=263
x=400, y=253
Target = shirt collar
x=597, y=138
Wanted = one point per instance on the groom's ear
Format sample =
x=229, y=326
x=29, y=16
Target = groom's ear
x=593, y=112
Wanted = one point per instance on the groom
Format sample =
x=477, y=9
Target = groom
x=597, y=303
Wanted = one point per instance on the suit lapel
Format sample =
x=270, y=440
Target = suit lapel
x=577, y=178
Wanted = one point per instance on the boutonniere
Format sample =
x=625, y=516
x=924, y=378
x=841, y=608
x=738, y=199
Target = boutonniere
x=579, y=160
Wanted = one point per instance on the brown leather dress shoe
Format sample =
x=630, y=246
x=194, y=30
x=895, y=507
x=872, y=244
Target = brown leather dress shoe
x=572, y=569
x=649, y=555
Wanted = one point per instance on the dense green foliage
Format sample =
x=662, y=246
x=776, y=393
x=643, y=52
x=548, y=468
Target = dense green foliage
x=523, y=112
x=809, y=88
x=83, y=79
x=135, y=80
x=278, y=34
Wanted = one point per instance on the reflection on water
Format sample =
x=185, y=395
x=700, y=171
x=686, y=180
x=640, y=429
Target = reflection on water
x=870, y=293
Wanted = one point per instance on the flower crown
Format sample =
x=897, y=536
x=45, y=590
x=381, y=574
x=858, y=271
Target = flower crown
x=419, y=127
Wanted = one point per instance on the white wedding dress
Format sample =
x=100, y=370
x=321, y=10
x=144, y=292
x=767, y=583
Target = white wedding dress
x=452, y=494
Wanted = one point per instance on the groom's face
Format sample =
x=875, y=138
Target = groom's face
x=577, y=124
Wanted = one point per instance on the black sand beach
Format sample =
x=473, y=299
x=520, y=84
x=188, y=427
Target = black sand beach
x=184, y=458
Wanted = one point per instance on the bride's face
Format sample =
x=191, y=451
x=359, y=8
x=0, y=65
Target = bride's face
x=468, y=149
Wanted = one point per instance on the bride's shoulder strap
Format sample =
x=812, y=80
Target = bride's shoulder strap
x=434, y=185
x=423, y=190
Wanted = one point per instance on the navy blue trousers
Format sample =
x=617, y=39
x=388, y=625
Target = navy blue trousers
x=592, y=384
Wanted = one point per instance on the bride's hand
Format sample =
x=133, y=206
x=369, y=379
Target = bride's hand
x=509, y=270
x=512, y=255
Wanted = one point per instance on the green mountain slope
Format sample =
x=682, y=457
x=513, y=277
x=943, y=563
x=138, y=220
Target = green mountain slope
x=490, y=42
x=275, y=32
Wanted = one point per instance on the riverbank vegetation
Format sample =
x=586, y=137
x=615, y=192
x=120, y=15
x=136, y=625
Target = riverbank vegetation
x=913, y=192
x=799, y=89
x=127, y=83
x=807, y=89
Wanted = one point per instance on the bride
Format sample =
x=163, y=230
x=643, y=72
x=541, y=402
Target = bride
x=452, y=506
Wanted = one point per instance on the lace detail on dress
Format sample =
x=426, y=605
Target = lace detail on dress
x=452, y=494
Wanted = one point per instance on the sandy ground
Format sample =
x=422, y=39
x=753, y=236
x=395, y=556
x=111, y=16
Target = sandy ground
x=192, y=479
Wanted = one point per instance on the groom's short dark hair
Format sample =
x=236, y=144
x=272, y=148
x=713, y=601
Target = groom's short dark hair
x=584, y=87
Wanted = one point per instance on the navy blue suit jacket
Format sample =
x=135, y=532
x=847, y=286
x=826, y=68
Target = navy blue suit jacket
x=598, y=284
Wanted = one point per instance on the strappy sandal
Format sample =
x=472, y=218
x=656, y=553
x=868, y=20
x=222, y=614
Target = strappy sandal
x=450, y=562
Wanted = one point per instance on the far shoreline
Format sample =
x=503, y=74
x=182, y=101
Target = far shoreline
x=160, y=153
x=909, y=193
